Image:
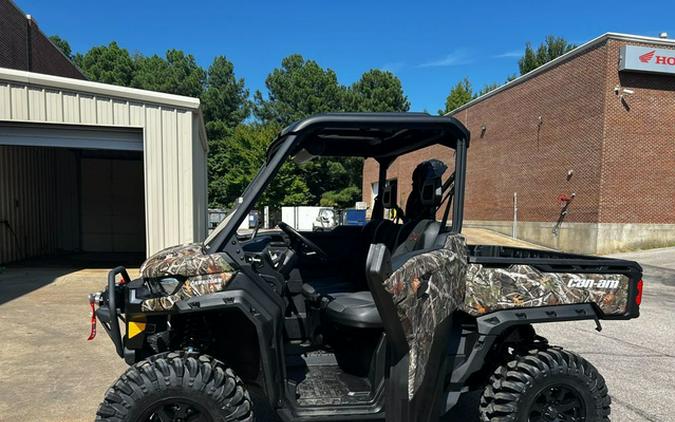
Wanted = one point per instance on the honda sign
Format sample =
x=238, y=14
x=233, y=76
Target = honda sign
x=647, y=59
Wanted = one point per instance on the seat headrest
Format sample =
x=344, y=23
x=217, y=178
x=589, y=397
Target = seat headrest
x=427, y=190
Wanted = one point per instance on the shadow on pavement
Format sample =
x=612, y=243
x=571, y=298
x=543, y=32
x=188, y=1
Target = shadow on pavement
x=23, y=277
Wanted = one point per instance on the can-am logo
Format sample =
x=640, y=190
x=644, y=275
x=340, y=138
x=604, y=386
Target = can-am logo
x=667, y=60
x=587, y=283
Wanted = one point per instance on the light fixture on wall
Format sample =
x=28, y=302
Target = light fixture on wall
x=621, y=93
x=618, y=90
x=483, y=128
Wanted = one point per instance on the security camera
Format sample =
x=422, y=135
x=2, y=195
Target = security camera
x=627, y=91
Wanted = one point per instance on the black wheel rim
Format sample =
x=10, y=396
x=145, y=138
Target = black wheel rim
x=176, y=410
x=558, y=403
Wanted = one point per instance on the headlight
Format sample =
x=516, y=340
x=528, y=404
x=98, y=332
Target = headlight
x=169, y=285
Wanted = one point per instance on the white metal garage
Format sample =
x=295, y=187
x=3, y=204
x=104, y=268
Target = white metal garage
x=90, y=167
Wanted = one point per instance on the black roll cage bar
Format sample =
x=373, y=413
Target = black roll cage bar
x=382, y=136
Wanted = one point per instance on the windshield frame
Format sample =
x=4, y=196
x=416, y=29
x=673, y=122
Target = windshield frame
x=228, y=227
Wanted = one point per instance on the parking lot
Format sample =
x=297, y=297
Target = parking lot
x=49, y=372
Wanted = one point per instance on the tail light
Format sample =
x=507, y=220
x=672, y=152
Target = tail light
x=638, y=297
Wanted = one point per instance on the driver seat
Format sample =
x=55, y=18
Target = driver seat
x=358, y=309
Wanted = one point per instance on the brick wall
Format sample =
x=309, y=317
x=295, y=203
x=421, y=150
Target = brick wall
x=24, y=47
x=638, y=175
x=622, y=158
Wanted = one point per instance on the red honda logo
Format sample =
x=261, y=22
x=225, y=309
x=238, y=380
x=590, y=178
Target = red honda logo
x=645, y=58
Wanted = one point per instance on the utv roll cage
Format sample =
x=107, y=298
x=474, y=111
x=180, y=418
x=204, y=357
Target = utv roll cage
x=381, y=136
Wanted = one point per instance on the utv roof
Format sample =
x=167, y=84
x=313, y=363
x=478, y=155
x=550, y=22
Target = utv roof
x=377, y=135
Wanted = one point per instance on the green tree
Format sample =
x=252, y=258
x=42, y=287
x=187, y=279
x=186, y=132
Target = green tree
x=551, y=48
x=487, y=88
x=459, y=95
x=177, y=73
x=62, y=45
x=233, y=162
x=377, y=91
x=298, y=89
x=344, y=198
x=225, y=101
x=108, y=64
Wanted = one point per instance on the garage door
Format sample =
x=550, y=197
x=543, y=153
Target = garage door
x=113, y=217
x=65, y=136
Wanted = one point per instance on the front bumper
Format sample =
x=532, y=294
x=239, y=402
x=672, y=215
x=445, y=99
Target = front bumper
x=109, y=310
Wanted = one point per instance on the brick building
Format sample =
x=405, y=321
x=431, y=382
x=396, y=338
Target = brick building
x=590, y=123
x=24, y=47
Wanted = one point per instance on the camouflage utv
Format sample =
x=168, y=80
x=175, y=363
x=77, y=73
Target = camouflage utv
x=393, y=320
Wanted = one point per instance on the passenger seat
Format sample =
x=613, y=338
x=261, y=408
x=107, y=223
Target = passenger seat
x=358, y=309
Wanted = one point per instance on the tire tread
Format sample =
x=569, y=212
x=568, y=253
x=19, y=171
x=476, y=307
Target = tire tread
x=501, y=398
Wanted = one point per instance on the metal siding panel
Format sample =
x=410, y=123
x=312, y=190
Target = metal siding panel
x=154, y=186
x=71, y=107
x=185, y=175
x=36, y=104
x=54, y=106
x=5, y=103
x=199, y=182
x=87, y=109
x=104, y=111
x=19, y=102
x=136, y=114
x=120, y=113
x=170, y=173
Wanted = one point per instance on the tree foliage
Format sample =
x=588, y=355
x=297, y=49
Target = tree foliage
x=459, y=95
x=225, y=101
x=551, y=48
x=62, y=45
x=176, y=73
x=109, y=64
x=487, y=88
x=377, y=91
x=234, y=162
x=299, y=88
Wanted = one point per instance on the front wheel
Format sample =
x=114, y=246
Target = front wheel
x=177, y=387
x=546, y=385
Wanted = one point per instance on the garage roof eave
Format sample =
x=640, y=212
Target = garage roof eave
x=78, y=85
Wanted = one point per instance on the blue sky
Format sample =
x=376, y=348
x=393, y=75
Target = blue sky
x=428, y=45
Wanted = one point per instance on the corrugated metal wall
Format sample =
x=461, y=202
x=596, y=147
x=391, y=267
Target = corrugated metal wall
x=27, y=198
x=174, y=144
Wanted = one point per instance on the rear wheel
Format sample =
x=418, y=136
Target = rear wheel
x=177, y=387
x=546, y=385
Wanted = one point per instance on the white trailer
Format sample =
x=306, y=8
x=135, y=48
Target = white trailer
x=300, y=218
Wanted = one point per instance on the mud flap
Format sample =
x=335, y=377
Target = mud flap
x=416, y=302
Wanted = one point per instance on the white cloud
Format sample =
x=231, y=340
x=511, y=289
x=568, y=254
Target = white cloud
x=510, y=54
x=456, y=58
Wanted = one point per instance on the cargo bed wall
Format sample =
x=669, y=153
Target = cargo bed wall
x=507, y=278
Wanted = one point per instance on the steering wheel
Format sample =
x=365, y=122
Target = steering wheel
x=294, y=234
